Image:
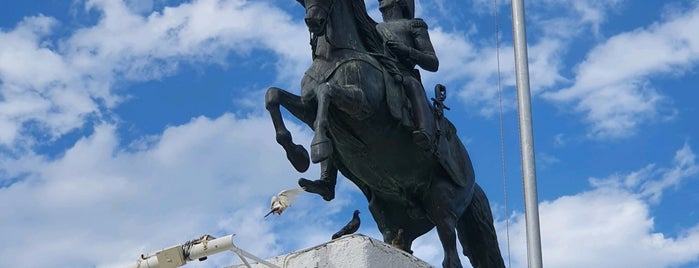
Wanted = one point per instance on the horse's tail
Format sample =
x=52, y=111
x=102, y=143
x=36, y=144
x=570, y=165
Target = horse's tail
x=477, y=233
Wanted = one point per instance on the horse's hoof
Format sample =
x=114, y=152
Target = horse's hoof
x=452, y=264
x=321, y=149
x=319, y=187
x=298, y=156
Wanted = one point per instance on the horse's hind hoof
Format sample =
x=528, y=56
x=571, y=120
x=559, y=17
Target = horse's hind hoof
x=321, y=149
x=298, y=156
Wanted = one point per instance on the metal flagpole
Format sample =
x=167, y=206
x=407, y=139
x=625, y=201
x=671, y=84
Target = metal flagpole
x=531, y=202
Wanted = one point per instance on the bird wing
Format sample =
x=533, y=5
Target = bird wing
x=287, y=197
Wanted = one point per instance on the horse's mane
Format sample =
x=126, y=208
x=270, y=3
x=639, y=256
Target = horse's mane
x=370, y=37
x=366, y=26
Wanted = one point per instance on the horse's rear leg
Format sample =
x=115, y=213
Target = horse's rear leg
x=477, y=233
x=297, y=155
x=442, y=205
x=392, y=216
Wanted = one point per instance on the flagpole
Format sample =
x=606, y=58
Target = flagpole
x=531, y=202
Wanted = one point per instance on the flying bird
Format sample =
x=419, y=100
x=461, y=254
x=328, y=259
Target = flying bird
x=283, y=200
x=351, y=227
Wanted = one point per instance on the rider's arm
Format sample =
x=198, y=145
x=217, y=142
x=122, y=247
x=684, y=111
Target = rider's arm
x=423, y=54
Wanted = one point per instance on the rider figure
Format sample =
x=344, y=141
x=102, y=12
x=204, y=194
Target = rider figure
x=407, y=38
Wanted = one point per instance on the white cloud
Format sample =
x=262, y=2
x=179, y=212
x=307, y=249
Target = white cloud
x=613, y=86
x=472, y=69
x=469, y=66
x=579, y=15
x=99, y=204
x=36, y=85
x=650, y=182
x=611, y=225
x=55, y=85
x=469, y=71
x=140, y=6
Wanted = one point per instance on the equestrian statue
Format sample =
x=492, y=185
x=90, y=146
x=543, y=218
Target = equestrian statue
x=366, y=104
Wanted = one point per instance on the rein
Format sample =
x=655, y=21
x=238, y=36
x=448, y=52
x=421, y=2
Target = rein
x=314, y=38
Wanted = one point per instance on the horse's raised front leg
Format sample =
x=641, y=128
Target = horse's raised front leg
x=297, y=155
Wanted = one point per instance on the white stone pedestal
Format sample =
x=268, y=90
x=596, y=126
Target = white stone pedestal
x=350, y=251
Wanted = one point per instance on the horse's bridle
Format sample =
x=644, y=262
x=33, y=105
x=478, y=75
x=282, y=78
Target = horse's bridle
x=313, y=37
x=327, y=10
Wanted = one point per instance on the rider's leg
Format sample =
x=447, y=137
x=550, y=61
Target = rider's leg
x=422, y=113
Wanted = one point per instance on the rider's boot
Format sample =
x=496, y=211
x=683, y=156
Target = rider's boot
x=322, y=187
x=424, y=133
x=325, y=186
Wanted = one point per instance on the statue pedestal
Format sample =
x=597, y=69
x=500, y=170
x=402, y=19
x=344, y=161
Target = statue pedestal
x=350, y=251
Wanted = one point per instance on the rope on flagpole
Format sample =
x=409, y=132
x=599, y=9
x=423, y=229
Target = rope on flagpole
x=502, y=132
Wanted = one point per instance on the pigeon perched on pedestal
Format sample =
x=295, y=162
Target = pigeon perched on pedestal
x=351, y=227
x=283, y=200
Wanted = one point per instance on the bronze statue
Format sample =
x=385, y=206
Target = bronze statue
x=353, y=98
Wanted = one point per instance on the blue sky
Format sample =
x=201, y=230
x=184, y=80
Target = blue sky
x=129, y=126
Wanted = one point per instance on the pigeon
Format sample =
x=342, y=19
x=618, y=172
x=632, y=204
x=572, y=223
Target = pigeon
x=283, y=200
x=351, y=227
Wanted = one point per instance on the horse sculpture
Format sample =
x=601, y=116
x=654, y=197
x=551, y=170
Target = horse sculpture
x=350, y=99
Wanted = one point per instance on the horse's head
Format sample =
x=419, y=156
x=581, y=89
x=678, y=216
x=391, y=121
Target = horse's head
x=317, y=14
